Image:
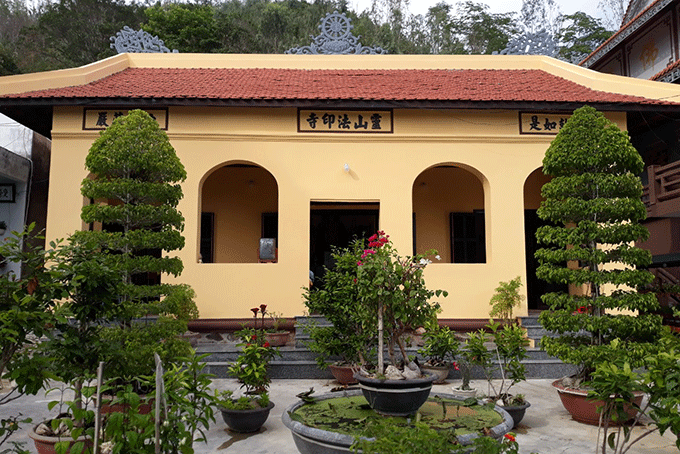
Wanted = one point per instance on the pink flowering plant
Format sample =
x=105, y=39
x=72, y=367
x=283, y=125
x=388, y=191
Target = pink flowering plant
x=393, y=294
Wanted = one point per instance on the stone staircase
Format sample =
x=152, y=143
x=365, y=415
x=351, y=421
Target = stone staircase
x=297, y=361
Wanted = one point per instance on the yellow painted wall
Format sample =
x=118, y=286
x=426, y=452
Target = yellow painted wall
x=309, y=167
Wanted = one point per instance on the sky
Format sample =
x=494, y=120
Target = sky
x=496, y=6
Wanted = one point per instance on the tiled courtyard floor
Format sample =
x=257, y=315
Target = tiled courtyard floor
x=546, y=429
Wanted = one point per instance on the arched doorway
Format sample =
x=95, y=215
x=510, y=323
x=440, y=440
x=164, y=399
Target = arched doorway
x=448, y=214
x=239, y=205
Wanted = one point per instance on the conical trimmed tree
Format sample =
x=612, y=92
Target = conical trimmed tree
x=594, y=201
x=134, y=187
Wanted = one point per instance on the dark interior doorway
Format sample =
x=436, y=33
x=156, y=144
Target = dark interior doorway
x=337, y=224
x=536, y=287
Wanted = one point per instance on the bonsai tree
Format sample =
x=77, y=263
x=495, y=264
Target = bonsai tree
x=594, y=198
x=506, y=298
x=393, y=294
x=348, y=337
x=135, y=187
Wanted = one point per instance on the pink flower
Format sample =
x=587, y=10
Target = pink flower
x=359, y=263
x=455, y=366
x=373, y=237
x=266, y=345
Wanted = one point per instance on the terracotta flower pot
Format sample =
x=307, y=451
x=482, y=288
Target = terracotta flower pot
x=343, y=374
x=145, y=406
x=584, y=410
x=441, y=372
x=277, y=339
x=45, y=444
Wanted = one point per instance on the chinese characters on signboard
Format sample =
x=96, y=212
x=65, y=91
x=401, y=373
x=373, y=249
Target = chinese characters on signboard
x=102, y=118
x=7, y=193
x=345, y=121
x=542, y=123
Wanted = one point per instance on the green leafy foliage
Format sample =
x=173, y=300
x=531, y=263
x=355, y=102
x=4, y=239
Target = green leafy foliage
x=350, y=337
x=185, y=27
x=505, y=299
x=69, y=33
x=441, y=345
x=135, y=185
x=250, y=368
x=26, y=308
x=594, y=198
x=503, y=360
x=392, y=289
x=616, y=382
x=187, y=411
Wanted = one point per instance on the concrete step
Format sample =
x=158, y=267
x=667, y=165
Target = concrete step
x=301, y=363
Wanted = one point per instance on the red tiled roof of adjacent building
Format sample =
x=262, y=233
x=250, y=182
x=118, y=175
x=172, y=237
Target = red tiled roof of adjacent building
x=472, y=85
x=619, y=31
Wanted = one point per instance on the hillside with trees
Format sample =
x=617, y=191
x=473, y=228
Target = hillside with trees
x=66, y=33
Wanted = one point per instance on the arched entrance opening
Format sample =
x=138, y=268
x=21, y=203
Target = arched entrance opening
x=239, y=206
x=448, y=214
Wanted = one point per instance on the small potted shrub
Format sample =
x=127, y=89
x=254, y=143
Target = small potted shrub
x=347, y=343
x=502, y=364
x=394, y=301
x=248, y=412
x=506, y=298
x=440, y=349
x=276, y=336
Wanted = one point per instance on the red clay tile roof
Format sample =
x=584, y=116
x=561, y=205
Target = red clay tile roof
x=665, y=71
x=320, y=85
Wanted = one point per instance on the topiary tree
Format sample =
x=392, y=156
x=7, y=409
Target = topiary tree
x=134, y=189
x=594, y=199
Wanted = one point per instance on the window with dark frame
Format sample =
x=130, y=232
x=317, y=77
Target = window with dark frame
x=207, y=244
x=468, y=238
x=270, y=226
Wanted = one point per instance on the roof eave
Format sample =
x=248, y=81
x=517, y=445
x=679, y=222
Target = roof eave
x=148, y=103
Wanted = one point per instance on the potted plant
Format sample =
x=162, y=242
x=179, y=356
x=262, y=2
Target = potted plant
x=506, y=298
x=74, y=347
x=615, y=384
x=594, y=200
x=394, y=300
x=439, y=350
x=276, y=336
x=248, y=412
x=503, y=361
x=463, y=364
x=27, y=303
x=135, y=185
x=185, y=402
x=345, y=344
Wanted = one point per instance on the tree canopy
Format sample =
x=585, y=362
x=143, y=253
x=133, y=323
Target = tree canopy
x=67, y=33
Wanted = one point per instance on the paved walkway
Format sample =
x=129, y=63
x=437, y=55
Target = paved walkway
x=546, y=429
